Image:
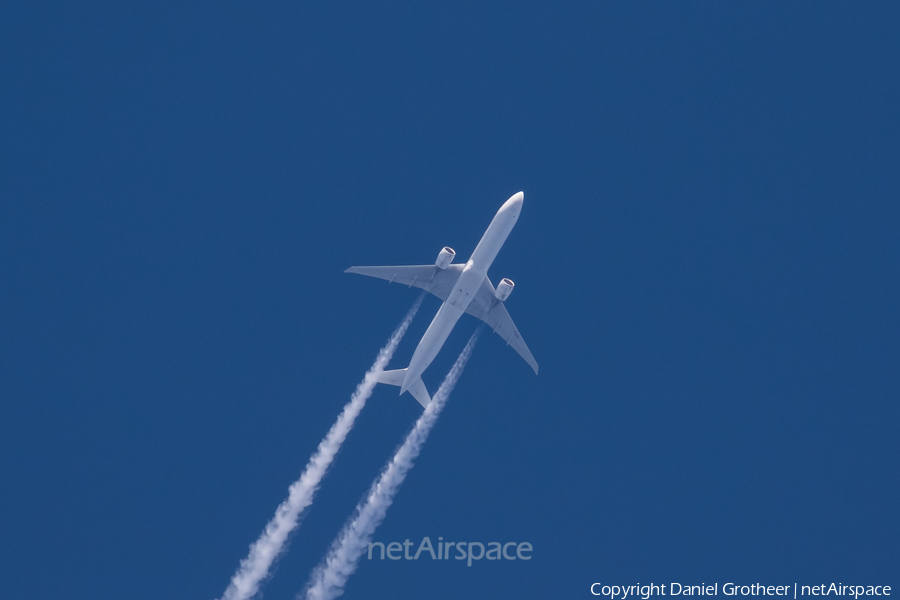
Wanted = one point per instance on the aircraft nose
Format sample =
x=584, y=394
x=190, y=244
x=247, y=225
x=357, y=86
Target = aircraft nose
x=514, y=202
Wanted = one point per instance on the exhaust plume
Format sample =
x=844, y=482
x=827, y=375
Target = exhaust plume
x=330, y=576
x=273, y=540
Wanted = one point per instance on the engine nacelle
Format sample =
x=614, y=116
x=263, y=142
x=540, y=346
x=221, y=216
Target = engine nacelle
x=445, y=257
x=504, y=289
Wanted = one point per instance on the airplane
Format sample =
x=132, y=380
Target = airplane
x=463, y=288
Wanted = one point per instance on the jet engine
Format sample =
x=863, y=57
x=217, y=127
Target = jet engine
x=504, y=289
x=445, y=257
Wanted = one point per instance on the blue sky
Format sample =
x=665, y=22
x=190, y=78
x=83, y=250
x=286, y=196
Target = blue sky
x=707, y=268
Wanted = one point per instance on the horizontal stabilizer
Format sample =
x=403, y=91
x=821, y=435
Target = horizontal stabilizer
x=392, y=377
x=417, y=389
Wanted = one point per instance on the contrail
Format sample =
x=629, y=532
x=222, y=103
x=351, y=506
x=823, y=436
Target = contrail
x=271, y=543
x=330, y=576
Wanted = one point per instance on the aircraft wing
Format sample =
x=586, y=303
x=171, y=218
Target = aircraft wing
x=486, y=307
x=427, y=277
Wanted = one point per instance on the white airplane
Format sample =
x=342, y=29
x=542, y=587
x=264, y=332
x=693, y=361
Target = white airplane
x=463, y=288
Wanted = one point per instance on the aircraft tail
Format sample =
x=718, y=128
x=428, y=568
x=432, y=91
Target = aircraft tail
x=417, y=389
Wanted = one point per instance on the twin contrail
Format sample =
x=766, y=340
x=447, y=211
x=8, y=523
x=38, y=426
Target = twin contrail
x=329, y=578
x=271, y=543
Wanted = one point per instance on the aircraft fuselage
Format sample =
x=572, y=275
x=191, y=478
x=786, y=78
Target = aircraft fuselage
x=465, y=288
